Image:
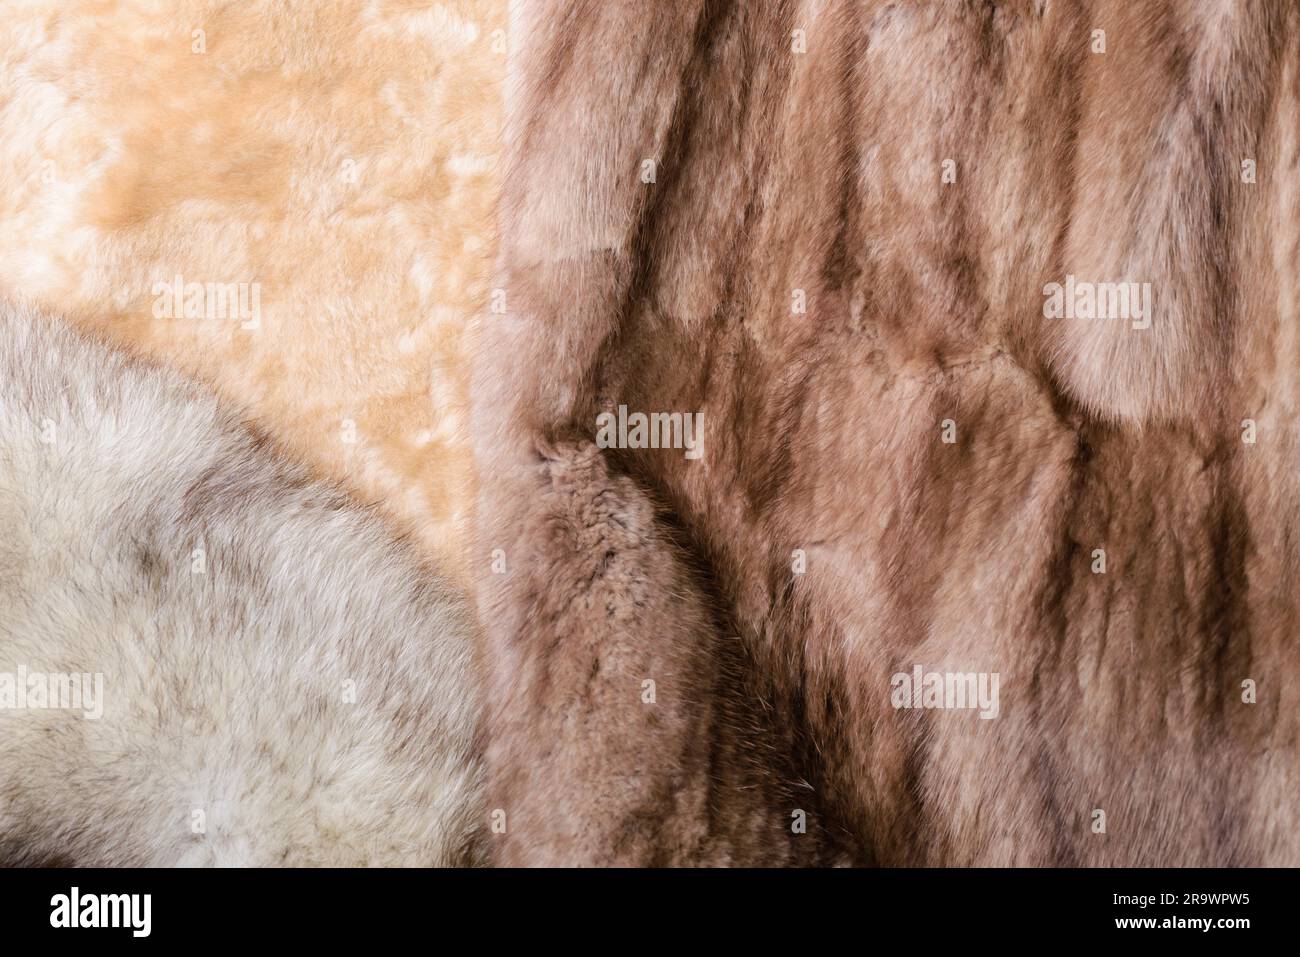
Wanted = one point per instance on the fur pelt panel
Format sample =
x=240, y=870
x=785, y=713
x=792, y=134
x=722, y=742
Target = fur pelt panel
x=676, y=181
x=342, y=156
x=281, y=679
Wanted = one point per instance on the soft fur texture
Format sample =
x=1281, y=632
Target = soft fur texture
x=284, y=683
x=822, y=171
x=343, y=155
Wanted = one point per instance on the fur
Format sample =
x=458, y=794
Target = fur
x=342, y=155
x=284, y=682
x=776, y=171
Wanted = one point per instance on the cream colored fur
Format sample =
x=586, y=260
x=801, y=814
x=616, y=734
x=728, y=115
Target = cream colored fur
x=342, y=155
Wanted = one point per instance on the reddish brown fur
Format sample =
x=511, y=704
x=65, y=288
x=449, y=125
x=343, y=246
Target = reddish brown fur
x=821, y=171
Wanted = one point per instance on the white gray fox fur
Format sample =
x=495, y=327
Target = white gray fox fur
x=282, y=682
